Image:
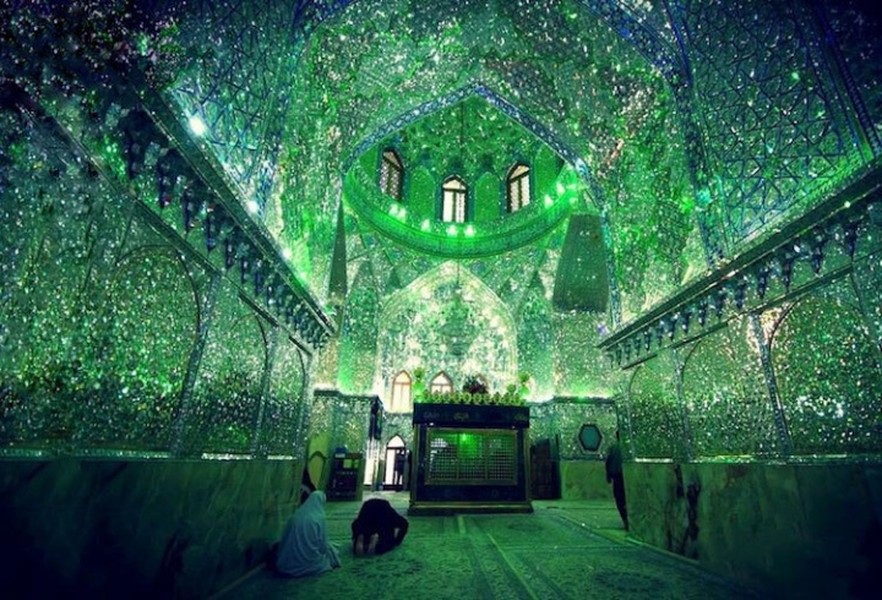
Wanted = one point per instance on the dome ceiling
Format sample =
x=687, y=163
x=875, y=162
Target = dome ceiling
x=374, y=67
x=622, y=90
x=477, y=143
x=376, y=60
x=469, y=139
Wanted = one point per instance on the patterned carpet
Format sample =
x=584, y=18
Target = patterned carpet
x=563, y=550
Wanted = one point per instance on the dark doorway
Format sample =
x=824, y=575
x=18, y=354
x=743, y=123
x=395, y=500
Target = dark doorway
x=395, y=464
x=545, y=469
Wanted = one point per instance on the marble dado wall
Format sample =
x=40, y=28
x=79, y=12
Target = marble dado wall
x=120, y=331
x=139, y=528
x=798, y=530
x=758, y=445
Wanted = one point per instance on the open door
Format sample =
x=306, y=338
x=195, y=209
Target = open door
x=396, y=463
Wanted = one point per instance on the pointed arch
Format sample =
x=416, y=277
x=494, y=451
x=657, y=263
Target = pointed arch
x=418, y=344
x=401, y=396
x=517, y=187
x=454, y=200
x=396, y=441
x=441, y=383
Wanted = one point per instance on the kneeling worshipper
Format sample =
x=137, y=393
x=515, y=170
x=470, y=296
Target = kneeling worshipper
x=305, y=548
x=378, y=528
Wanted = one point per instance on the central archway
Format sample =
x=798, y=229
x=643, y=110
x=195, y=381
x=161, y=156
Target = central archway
x=419, y=328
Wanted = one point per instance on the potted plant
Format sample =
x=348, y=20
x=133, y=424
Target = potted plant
x=419, y=385
x=524, y=389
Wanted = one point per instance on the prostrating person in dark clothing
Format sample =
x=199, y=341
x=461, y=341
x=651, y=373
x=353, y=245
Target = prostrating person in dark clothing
x=378, y=528
x=614, y=475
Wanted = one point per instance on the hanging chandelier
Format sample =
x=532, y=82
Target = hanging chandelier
x=457, y=329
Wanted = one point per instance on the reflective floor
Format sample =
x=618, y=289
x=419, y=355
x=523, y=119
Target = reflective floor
x=565, y=549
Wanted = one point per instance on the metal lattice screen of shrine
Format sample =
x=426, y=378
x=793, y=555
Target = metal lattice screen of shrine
x=472, y=457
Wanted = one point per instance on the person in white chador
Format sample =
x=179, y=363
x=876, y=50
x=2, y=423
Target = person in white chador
x=305, y=548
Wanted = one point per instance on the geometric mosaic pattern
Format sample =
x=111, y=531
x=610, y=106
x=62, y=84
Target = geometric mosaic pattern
x=771, y=119
x=238, y=83
x=765, y=115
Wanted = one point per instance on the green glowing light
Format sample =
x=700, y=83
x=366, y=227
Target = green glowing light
x=610, y=108
x=468, y=444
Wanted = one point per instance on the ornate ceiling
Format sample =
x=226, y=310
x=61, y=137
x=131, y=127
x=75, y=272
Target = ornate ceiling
x=554, y=67
x=690, y=148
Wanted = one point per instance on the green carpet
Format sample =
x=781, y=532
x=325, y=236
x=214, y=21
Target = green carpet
x=563, y=550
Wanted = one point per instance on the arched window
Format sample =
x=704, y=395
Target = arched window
x=391, y=174
x=402, y=400
x=441, y=384
x=454, y=201
x=518, y=186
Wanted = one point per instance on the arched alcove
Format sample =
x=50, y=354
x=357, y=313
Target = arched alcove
x=285, y=401
x=654, y=421
x=395, y=460
x=726, y=396
x=449, y=320
x=828, y=377
x=227, y=391
x=154, y=316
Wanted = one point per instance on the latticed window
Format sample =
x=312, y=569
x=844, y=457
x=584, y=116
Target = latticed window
x=391, y=174
x=455, y=199
x=518, y=187
x=401, y=393
x=441, y=384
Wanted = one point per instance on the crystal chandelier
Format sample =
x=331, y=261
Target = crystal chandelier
x=457, y=329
